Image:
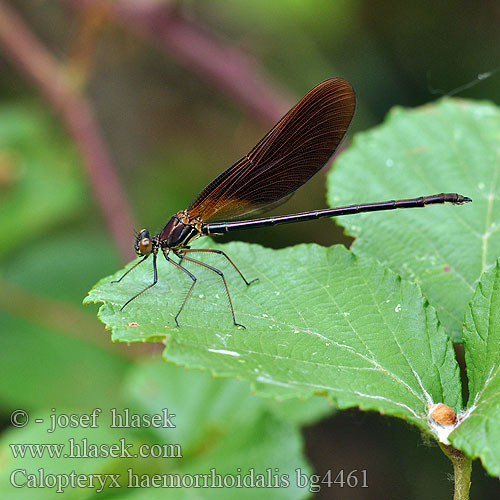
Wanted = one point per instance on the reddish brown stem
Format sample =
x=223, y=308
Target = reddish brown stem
x=227, y=68
x=28, y=53
x=61, y=317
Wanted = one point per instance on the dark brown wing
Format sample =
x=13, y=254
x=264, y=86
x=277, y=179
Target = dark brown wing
x=288, y=155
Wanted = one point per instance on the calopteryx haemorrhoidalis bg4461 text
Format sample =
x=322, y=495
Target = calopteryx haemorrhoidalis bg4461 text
x=297, y=147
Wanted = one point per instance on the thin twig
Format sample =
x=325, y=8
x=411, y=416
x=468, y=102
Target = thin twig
x=58, y=316
x=49, y=75
x=227, y=68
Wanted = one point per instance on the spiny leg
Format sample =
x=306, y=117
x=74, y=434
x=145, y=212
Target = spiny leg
x=155, y=280
x=221, y=274
x=133, y=267
x=192, y=276
x=219, y=252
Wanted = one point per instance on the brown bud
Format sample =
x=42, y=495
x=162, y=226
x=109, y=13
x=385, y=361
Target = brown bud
x=442, y=414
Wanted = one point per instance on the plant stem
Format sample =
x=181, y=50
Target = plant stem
x=224, y=66
x=62, y=317
x=51, y=77
x=462, y=468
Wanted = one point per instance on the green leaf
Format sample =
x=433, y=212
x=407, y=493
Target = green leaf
x=320, y=320
x=62, y=264
x=478, y=434
x=450, y=146
x=301, y=411
x=39, y=184
x=221, y=426
x=218, y=425
x=42, y=334
x=54, y=365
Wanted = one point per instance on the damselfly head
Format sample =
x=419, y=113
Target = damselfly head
x=143, y=243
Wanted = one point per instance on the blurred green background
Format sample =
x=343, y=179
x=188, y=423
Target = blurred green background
x=178, y=91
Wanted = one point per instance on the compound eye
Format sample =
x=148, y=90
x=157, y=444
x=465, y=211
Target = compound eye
x=143, y=233
x=145, y=246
